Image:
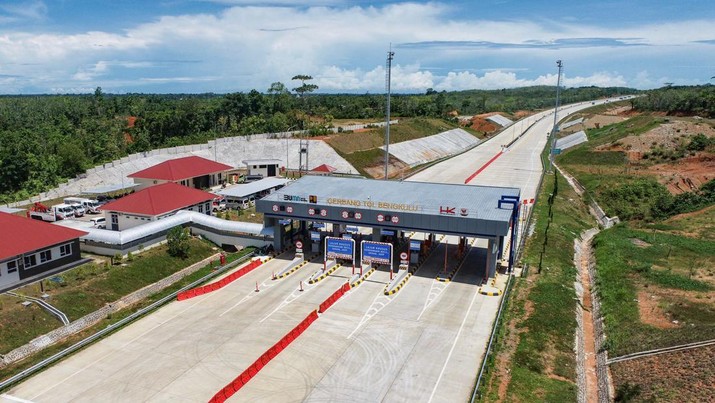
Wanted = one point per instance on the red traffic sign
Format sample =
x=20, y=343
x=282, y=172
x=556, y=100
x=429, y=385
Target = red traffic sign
x=289, y=209
x=395, y=219
x=403, y=255
x=298, y=244
x=275, y=207
x=358, y=216
x=345, y=214
x=323, y=213
x=380, y=218
x=311, y=211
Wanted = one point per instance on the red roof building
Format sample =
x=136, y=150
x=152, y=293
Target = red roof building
x=324, y=169
x=193, y=171
x=154, y=203
x=31, y=249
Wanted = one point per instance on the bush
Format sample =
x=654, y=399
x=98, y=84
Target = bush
x=178, y=242
x=117, y=258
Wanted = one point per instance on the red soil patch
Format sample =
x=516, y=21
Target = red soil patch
x=650, y=311
x=681, y=376
x=482, y=125
x=685, y=174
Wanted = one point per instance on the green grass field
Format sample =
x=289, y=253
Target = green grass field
x=631, y=259
x=541, y=310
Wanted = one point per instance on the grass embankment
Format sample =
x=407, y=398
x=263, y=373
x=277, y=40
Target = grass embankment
x=655, y=273
x=119, y=315
x=535, y=344
x=678, y=269
x=85, y=289
x=361, y=149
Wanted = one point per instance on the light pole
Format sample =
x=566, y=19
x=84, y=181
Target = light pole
x=556, y=119
x=390, y=54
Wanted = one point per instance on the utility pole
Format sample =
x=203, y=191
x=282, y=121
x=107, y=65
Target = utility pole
x=556, y=118
x=390, y=54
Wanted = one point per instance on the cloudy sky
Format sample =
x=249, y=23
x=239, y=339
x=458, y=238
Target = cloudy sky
x=171, y=46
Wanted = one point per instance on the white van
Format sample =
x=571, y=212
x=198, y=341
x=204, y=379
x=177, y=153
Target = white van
x=78, y=209
x=90, y=206
x=64, y=210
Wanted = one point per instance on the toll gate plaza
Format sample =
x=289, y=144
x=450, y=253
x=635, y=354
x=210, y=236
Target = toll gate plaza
x=392, y=208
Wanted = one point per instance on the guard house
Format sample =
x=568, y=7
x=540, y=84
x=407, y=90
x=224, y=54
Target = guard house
x=155, y=203
x=32, y=250
x=397, y=206
x=194, y=172
x=262, y=167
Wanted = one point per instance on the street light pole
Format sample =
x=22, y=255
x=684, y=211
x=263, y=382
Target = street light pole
x=556, y=118
x=390, y=54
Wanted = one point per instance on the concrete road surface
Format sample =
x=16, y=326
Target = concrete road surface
x=422, y=344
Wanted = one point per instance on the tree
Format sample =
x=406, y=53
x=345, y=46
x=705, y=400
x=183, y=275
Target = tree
x=304, y=88
x=178, y=241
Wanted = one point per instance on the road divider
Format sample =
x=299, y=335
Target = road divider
x=234, y=386
x=333, y=298
x=483, y=167
x=195, y=292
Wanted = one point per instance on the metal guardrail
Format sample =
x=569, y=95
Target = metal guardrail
x=663, y=350
x=47, y=361
x=476, y=395
x=51, y=309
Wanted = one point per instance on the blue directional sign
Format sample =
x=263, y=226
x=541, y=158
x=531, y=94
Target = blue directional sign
x=339, y=248
x=315, y=236
x=415, y=245
x=376, y=252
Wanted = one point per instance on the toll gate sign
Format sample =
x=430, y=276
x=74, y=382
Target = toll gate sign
x=376, y=252
x=339, y=248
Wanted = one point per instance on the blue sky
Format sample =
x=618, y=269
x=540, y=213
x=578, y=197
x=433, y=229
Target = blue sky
x=172, y=46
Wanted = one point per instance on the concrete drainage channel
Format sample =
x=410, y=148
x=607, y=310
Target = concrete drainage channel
x=115, y=326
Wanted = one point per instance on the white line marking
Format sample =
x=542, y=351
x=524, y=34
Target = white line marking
x=15, y=399
x=292, y=297
x=377, y=305
x=121, y=349
x=456, y=339
x=267, y=283
x=435, y=291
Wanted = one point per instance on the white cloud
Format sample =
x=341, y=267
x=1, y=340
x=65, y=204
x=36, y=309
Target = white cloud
x=246, y=47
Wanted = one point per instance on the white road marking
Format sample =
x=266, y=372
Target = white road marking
x=435, y=291
x=292, y=297
x=378, y=304
x=15, y=399
x=267, y=283
x=456, y=339
x=119, y=349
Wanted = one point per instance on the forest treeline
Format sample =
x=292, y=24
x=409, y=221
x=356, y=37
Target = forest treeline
x=45, y=139
x=686, y=101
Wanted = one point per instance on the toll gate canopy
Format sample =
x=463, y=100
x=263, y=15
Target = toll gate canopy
x=440, y=208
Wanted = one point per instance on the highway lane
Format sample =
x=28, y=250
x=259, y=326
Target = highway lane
x=187, y=350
